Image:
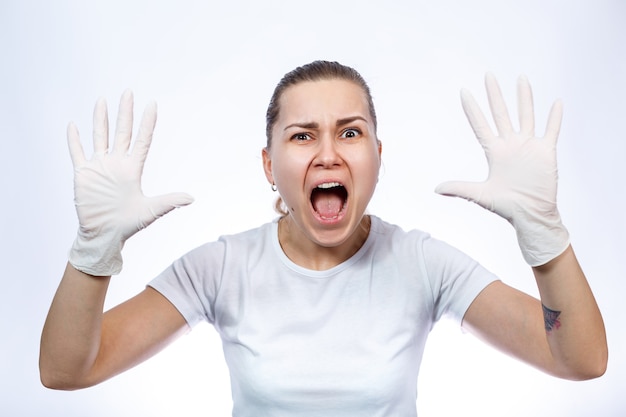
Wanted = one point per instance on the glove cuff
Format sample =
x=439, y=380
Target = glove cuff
x=96, y=257
x=541, y=239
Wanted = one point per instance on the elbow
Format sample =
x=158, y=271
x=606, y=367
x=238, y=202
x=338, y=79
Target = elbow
x=593, y=371
x=587, y=374
x=592, y=368
x=55, y=379
x=49, y=376
x=52, y=382
x=598, y=366
x=60, y=383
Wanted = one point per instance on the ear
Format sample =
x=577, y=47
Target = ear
x=267, y=165
x=380, y=151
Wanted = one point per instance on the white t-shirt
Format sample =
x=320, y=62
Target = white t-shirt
x=347, y=341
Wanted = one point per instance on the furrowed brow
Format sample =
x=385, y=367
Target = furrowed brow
x=306, y=125
x=348, y=120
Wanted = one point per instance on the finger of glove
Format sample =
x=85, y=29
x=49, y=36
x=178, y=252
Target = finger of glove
x=144, y=135
x=476, y=118
x=76, y=148
x=525, y=107
x=554, y=122
x=498, y=106
x=471, y=191
x=100, y=127
x=163, y=204
x=124, y=126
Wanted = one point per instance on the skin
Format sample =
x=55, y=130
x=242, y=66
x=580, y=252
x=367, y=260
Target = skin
x=513, y=321
x=323, y=133
x=81, y=346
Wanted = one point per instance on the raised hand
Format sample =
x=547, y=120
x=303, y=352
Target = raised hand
x=109, y=201
x=522, y=181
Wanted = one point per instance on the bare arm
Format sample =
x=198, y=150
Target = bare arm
x=563, y=334
x=567, y=340
x=81, y=346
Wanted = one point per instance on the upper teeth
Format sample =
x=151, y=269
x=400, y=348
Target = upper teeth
x=329, y=185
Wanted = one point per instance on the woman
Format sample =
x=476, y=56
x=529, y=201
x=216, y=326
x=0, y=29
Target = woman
x=326, y=310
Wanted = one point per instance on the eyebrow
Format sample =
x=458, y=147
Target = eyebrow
x=315, y=125
x=348, y=120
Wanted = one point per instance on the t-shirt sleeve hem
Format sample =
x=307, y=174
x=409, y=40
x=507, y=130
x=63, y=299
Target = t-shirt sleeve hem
x=472, y=291
x=165, y=289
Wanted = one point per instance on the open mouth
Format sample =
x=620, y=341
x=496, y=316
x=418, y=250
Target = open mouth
x=329, y=199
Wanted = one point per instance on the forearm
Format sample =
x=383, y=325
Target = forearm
x=70, y=340
x=573, y=322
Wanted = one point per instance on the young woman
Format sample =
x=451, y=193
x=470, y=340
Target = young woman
x=326, y=310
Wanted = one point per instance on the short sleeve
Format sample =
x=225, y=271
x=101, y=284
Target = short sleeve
x=191, y=282
x=455, y=278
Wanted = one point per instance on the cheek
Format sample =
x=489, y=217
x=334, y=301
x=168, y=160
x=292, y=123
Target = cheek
x=283, y=168
x=369, y=167
x=288, y=173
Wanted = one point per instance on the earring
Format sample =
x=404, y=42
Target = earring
x=274, y=187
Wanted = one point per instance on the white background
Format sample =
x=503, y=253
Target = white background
x=211, y=66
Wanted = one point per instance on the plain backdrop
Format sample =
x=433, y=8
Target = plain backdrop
x=211, y=66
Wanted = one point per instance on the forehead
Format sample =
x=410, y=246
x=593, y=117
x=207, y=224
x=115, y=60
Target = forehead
x=323, y=98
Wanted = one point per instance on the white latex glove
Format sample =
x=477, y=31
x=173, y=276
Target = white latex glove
x=107, y=189
x=522, y=182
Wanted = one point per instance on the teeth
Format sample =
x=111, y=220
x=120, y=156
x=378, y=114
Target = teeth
x=329, y=185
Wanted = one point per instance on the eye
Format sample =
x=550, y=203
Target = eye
x=350, y=133
x=301, y=137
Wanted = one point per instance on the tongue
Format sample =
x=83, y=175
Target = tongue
x=327, y=204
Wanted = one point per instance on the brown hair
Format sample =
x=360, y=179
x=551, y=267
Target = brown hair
x=314, y=71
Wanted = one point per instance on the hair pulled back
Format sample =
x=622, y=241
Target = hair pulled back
x=314, y=71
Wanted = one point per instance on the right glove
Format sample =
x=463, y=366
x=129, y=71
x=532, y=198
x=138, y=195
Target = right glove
x=107, y=189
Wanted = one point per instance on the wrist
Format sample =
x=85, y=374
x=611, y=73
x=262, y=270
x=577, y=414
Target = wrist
x=96, y=256
x=541, y=239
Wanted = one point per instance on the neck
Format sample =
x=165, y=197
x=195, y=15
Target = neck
x=309, y=254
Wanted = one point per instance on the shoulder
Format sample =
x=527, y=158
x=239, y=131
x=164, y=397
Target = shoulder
x=254, y=234
x=229, y=245
x=252, y=242
x=384, y=233
x=415, y=244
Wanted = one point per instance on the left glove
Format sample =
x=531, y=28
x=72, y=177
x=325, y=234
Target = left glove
x=522, y=182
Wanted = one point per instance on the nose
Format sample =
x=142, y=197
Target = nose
x=328, y=154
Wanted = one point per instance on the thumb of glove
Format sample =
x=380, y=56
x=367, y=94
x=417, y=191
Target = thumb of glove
x=161, y=205
x=471, y=191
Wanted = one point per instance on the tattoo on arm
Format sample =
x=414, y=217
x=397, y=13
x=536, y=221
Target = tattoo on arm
x=551, y=318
